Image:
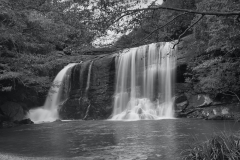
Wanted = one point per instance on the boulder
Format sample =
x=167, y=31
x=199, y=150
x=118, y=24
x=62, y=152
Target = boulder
x=218, y=112
x=180, y=115
x=12, y=110
x=24, y=121
x=199, y=100
x=58, y=120
x=214, y=117
x=181, y=103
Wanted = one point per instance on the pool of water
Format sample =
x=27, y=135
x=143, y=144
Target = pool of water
x=110, y=140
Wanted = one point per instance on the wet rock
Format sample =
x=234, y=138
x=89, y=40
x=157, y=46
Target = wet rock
x=24, y=121
x=218, y=112
x=181, y=103
x=220, y=117
x=180, y=99
x=214, y=117
x=199, y=100
x=180, y=115
x=57, y=120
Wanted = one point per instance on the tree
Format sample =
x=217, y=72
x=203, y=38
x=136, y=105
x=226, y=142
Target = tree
x=172, y=20
x=30, y=32
x=215, y=70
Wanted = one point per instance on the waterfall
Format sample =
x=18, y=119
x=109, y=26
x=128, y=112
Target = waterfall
x=144, y=87
x=89, y=76
x=56, y=95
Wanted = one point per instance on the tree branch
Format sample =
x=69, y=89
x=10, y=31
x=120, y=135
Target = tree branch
x=160, y=28
x=180, y=36
x=187, y=11
x=129, y=12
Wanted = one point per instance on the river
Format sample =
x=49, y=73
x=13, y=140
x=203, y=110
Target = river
x=110, y=140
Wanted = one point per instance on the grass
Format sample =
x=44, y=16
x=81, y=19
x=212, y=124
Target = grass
x=219, y=147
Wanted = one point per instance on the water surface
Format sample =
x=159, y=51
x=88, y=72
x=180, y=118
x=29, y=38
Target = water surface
x=100, y=140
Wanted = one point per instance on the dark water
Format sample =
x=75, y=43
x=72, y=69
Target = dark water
x=100, y=140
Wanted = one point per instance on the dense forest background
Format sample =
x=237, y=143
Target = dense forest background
x=39, y=37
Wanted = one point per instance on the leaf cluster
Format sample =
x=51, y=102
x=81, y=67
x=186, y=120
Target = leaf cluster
x=219, y=32
x=219, y=147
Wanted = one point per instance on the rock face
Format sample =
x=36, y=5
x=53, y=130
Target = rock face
x=203, y=107
x=92, y=90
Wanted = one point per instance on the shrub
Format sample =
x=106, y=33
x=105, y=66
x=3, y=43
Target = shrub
x=219, y=147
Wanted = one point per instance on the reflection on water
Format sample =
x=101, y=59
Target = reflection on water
x=163, y=139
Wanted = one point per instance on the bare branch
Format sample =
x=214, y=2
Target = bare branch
x=180, y=36
x=124, y=15
x=187, y=11
x=159, y=28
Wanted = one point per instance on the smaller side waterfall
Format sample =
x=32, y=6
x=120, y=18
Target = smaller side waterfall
x=89, y=76
x=78, y=104
x=56, y=95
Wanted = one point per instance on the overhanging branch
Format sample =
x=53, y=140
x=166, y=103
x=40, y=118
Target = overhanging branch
x=187, y=11
x=185, y=31
x=166, y=24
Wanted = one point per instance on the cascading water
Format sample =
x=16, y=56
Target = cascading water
x=145, y=78
x=89, y=76
x=56, y=95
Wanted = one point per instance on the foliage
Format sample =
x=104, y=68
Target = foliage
x=220, y=147
x=215, y=74
x=218, y=32
x=215, y=69
x=30, y=32
x=42, y=24
x=154, y=20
